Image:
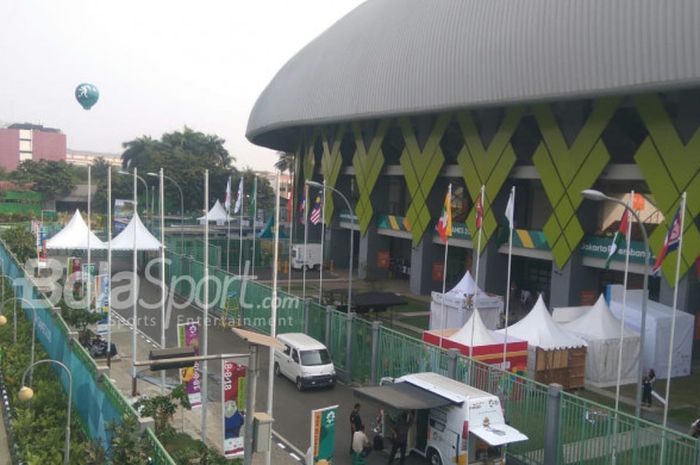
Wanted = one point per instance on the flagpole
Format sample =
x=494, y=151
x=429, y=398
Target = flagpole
x=444, y=268
x=135, y=286
x=240, y=225
x=510, y=257
x=255, y=216
x=228, y=228
x=161, y=194
x=476, y=270
x=306, y=240
x=290, y=214
x=675, y=305
x=323, y=233
x=109, y=266
x=628, y=234
x=205, y=321
x=89, y=255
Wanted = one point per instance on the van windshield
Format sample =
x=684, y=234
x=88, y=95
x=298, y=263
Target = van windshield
x=315, y=357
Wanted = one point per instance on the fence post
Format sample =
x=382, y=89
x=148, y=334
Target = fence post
x=329, y=309
x=374, y=364
x=452, y=355
x=551, y=435
x=306, y=315
x=348, y=344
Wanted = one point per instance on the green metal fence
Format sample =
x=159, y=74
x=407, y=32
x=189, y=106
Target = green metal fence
x=317, y=321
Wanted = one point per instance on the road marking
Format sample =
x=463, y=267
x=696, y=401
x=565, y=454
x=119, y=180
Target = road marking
x=294, y=456
x=281, y=446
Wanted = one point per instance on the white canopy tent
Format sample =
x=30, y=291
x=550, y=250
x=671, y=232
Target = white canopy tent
x=458, y=303
x=601, y=330
x=74, y=236
x=658, y=331
x=482, y=336
x=144, y=239
x=217, y=214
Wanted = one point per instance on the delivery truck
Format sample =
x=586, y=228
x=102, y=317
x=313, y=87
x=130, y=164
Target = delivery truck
x=450, y=422
x=308, y=255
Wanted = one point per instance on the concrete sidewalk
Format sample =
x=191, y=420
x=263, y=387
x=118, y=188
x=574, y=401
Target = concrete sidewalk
x=188, y=421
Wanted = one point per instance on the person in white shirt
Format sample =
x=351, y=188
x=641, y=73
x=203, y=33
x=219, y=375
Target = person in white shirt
x=360, y=443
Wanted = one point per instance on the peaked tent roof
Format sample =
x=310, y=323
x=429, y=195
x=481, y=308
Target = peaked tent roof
x=466, y=285
x=74, y=236
x=482, y=335
x=216, y=213
x=598, y=322
x=144, y=239
x=539, y=329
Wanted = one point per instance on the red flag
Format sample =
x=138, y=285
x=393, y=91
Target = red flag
x=479, y=212
x=670, y=242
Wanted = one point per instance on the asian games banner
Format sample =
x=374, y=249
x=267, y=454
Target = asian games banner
x=323, y=433
x=188, y=336
x=233, y=398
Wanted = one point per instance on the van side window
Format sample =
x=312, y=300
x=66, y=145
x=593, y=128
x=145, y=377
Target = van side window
x=287, y=350
x=437, y=425
x=295, y=356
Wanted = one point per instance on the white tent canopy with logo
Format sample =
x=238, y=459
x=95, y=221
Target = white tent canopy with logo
x=217, y=214
x=144, y=239
x=599, y=327
x=74, y=236
x=458, y=304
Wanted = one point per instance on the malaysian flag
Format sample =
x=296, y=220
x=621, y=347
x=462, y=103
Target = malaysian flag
x=316, y=211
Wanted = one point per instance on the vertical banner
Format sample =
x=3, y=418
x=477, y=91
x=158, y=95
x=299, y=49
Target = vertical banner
x=323, y=433
x=233, y=390
x=102, y=304
x=123, y=211
x=188, y=336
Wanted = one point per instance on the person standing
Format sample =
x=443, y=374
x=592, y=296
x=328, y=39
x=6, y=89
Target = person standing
x=355, y=423
x=646, y=391
x=400, y=437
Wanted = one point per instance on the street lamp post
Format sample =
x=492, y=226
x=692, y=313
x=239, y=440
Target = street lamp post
x=26, y=393
x=145, y=185
x=14, y=317
x=182, y=205
x=598, y=196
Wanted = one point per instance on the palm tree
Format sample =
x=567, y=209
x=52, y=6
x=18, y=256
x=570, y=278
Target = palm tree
x=137, y=151
x=285, y=162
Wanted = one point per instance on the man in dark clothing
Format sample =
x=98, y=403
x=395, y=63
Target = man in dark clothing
x=355, y=422
x=400, y=440
x=646, y=391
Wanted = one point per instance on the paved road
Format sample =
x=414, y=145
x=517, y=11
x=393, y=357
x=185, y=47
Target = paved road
x=291, y=408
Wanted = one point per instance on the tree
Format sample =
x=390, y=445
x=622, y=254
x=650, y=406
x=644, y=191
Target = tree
x=162, y=408
x=285, y=161
x=21, y=242
x=51, y=178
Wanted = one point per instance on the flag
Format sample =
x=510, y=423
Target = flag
x=479, y=212
x=239, y=197
x=252, y=205
x=510, y=209
x=315, y=216
x=620, y=235
x=670, y=242
x=444, y=225
x=227, y=199
x=302, y=206
x=290, y=204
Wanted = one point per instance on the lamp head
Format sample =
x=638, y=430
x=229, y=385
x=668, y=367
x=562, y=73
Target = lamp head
x=25, y=394
x=592, y=194
x=314, y=184
x=3, y=320
x=152, y=174
x=123, y=172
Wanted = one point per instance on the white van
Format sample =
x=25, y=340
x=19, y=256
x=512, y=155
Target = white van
x=309, y=255
x=305, y=361
x=454, y=423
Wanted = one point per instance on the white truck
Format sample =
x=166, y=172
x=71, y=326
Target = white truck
x=451, y=422
x=309, y=255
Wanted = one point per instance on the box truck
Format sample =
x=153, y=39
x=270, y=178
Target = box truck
x=309, y=255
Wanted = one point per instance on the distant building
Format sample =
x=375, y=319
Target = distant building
x=285, y=181
x=85, y=158
x=25, y=141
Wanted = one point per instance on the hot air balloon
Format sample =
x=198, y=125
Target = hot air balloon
x=87, y=95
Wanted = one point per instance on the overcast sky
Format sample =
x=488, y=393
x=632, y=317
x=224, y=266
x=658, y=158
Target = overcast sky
x=159, y=65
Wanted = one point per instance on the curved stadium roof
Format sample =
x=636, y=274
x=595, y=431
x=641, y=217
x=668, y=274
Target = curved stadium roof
x=397, y=57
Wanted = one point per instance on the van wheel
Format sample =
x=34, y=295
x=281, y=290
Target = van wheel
x=277, y=369
x=434, y=457
x=300, y=385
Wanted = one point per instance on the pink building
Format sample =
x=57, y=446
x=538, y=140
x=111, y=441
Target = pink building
x=19, y=142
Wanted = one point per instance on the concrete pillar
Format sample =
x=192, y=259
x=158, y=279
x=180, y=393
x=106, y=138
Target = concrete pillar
x=566, y=284
x=306, y=315
x=374, y=364
x=551, y=435
x=422, y=258
x=452, y=363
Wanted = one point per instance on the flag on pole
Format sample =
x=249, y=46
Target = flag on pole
x=290, y=204
x=620, y=235
x=510, y=209
x=252, y=206
x=227, y=200
x=444, y=225
x=479, y=212
x=315, y=216
x=239, y=197
x=670, y=242
x=302, y=206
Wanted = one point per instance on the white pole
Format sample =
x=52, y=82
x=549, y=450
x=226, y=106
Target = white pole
x=205, y=323
x=323, y=234
x=675, y=305
x=162, y=275
x=135, y=287
x=240, y=227
x=273, y=316
x=89, y=255
x=228, y=229
x=109, y=266
x=291, y=234
x=476, y=270
x=510, y=258
x=255, y=215
x=306, y=241
x=443, y=326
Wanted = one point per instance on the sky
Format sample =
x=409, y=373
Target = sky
x=159, y=65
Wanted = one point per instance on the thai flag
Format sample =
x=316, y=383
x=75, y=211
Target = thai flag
x=673, y=237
